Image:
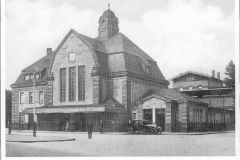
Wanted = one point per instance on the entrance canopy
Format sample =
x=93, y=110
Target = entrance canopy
x=75, y=109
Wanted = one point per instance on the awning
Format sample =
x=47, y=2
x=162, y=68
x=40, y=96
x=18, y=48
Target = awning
x=75, y=109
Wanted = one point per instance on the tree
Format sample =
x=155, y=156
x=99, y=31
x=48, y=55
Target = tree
x=230, y=80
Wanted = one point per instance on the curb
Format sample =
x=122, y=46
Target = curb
x=72, y=139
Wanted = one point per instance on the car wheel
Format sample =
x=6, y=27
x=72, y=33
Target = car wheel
x=153, y=131
x=130, y=130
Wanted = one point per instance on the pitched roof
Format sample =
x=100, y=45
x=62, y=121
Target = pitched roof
x=120, y=43
x=42, y=64
x=172, y=94
x=196, y=73
x=100, y=52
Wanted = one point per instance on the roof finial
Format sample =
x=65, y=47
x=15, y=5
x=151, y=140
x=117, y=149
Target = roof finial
x=108, y=5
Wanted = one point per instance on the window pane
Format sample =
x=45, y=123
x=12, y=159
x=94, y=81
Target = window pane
x=72, y=84
x=30, y=97
x=63, y=85
x=21, y=98
x=81, y=83
x=26, y=77
x=41, y=100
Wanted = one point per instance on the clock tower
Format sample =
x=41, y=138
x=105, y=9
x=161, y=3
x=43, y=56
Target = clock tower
x=108, y=25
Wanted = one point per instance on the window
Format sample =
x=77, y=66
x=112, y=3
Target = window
x=199, y=87
x=181, y=88
x=72, y=84
x=38, y=76
x=32, y=76
x=200, y=117
x=27, y=77
x=21, y=97
x=134, y=116
x=190, y=88
x=30, y=97
x=41, y=97
x=63, y=85
x=81, y=83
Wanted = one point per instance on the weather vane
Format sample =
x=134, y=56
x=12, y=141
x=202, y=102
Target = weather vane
x=108, y=5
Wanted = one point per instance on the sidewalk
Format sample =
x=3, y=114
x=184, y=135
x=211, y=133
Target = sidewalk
x=31, y=139
x=26, y=136
x=27, y=132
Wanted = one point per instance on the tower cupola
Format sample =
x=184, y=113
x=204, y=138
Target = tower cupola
x=108, y=25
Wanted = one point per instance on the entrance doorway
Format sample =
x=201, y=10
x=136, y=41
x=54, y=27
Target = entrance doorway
x=160, y=118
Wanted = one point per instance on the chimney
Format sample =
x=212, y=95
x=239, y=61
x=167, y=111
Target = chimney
x=218, y=75
x=49, y=50
x=213, y=73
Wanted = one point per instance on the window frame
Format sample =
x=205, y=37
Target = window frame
x=39, y=96
x=25, y=77
x=31, y=102
x=63, y=85
x=81, y=83
x=72, y=84
x=20, y=98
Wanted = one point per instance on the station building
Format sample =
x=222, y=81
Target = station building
x=107, y=79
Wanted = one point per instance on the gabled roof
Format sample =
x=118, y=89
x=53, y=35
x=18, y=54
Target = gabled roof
x=172, y=94
x=133, y=58
x=191, y=72
x=42, y=64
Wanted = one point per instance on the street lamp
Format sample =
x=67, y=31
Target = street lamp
x=36, y=69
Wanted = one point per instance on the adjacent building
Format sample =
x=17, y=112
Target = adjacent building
x=209, y=89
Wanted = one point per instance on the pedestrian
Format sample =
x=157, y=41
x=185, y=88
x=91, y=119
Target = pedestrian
x=90, y=129
x=9, y=127
x=101, y=127
x=67, y=126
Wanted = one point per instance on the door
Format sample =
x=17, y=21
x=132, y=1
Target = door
x=160, y=118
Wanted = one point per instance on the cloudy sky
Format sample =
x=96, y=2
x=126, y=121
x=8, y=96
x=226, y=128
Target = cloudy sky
x=181, y=35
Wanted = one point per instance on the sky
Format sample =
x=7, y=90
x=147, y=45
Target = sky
x=181, y=35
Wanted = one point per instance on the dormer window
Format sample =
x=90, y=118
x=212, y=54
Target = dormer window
x=181, y=88
x=27, y=77
x=38, y=76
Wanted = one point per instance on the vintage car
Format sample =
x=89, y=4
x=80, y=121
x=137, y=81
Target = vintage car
x=142, y=127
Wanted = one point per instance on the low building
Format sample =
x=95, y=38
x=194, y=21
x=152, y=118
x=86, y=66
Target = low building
x=209, y=89
x=172, y=110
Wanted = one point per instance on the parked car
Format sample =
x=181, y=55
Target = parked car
x=143, y=127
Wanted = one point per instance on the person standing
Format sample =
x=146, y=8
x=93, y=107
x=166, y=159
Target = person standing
x=90, y=129
x=67, y=126
x=101, y=127
x=9, y=127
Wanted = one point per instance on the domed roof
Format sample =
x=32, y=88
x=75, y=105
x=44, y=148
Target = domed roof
x=108, y=14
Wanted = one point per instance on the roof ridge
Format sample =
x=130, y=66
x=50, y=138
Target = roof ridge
x=50, y=54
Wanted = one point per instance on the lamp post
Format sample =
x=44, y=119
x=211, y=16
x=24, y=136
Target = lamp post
x=36, y=69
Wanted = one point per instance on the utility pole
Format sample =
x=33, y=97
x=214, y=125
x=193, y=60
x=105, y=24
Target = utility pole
x=36, y=69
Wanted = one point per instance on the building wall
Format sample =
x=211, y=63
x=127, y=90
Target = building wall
x=17, y=108
x=218, y=101
x=195, y=84
x=214, y=83
x=83, y=58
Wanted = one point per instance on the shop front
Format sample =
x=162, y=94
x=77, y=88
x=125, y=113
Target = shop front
x=78, y=117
